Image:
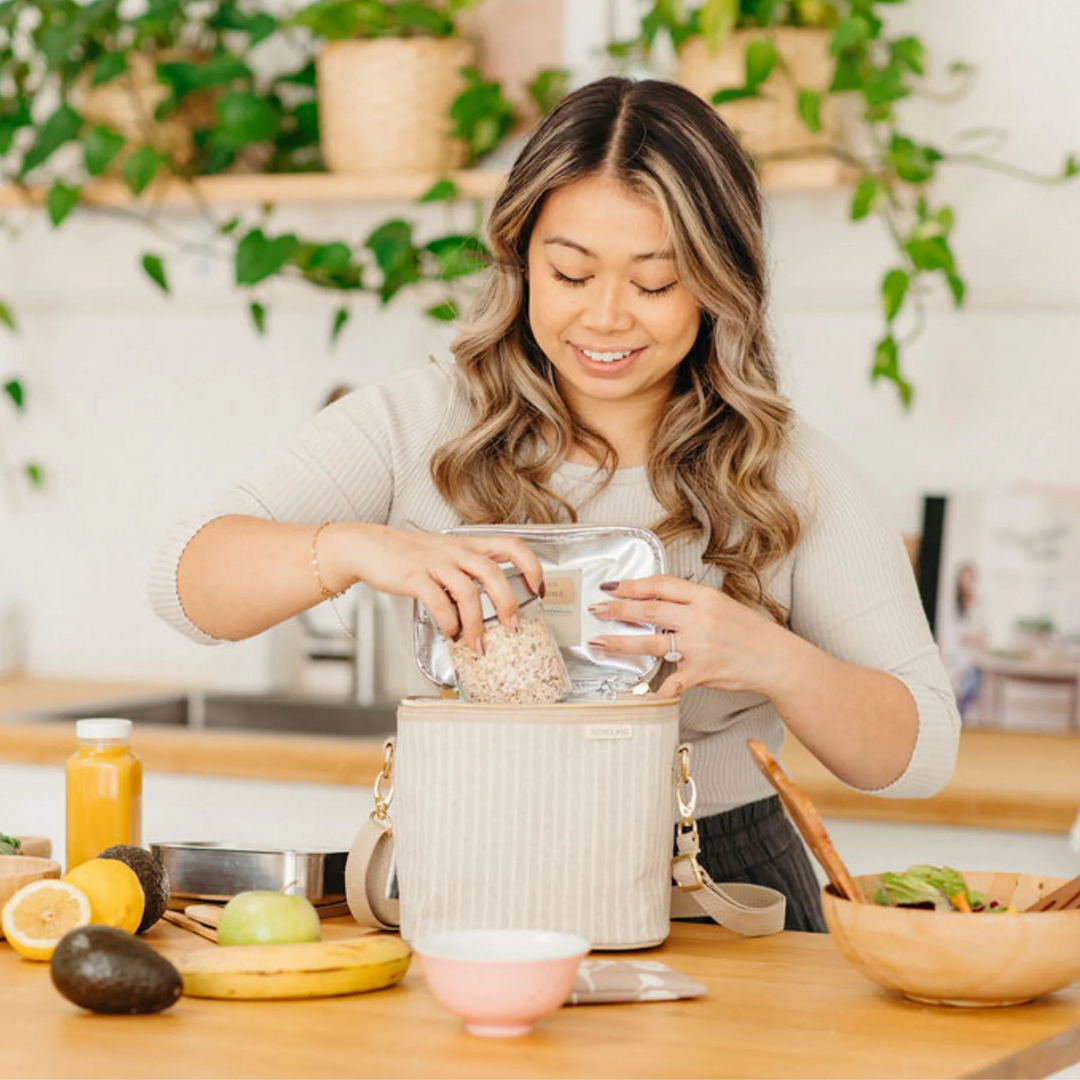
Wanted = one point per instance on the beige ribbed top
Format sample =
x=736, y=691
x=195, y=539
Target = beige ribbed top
x=848, y=584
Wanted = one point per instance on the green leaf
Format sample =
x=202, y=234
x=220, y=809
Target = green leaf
x=304, y=76
x=229, y=226
x=141, y=168
x=910, y=52
x=956, y=287
x=866, y=197
x=931, y=253
x=549, y=88
x=108, y=66
x=717, y=20
x=230, y=16
x=341, y=317
x=341, y=20
x=961, y=67
x=183, y=77
x=420, y=15
x=155, y=270
x=62, y=126
x=13, y=115
x=848, y=75
x=894, y=288
x=810, y=109
x=1072, y=167
x=761, y=58
x=913, y=163
x=447, y=311
x=258, y=316
x=736, y=93
x=100, y=146
x=481, y=113
x=34, y=474
x=60, y=201
x=887, y=366
x=850, y=34
x=6, y=317
x=441, y=191
x=258, y=257
x=330, y=258
x=457, y=256
x=246, y=118
x=395, y=255
x=14, y=390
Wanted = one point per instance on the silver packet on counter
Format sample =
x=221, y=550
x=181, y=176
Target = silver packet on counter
x=575, y=559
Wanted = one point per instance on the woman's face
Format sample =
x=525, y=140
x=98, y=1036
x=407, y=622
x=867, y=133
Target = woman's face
x=605, y=302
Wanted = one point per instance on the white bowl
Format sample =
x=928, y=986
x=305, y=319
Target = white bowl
x=501, y=981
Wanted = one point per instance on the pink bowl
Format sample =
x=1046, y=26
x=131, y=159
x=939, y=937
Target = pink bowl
x=501, y=981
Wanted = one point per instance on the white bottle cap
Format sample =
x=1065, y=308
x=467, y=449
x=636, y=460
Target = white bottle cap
x=103, y=729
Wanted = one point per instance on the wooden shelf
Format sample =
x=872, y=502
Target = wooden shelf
x=807, y=175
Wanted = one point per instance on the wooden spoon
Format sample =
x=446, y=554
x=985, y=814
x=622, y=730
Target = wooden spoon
x=801, y=811
x=1062, y=898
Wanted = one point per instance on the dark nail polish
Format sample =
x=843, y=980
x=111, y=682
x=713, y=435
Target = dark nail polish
x=543, y=590
x=599, y=645
x=609, y=586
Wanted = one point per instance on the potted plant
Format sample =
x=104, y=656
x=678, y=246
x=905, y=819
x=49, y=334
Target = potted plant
x=387, y=76
x=891, y=170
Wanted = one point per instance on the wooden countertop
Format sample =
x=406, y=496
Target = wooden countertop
x=781, y=1006
x=1003, y=780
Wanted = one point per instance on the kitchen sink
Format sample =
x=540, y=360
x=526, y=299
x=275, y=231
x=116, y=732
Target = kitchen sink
x=259, y=712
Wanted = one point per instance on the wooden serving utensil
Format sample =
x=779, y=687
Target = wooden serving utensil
x=801, y=811
x=1062, y=898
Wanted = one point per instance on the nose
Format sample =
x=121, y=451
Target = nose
x=607, y=311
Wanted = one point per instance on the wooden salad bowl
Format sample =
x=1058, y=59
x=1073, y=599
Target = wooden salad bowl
x=956, y=958
x=19, y=870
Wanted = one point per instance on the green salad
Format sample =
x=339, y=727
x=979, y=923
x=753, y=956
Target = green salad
x=937, y=888
x=9, y=845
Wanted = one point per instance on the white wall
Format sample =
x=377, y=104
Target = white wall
x=142, y=406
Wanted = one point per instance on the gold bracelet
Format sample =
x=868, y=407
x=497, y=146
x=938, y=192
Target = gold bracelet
x=326, y=593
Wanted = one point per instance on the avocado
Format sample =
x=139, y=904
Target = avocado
x=153, y=877
x=107, y=970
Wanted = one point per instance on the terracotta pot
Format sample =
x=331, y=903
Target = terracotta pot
x=384, y=105
x=767, y=125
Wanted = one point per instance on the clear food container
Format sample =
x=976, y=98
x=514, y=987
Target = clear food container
x=549, y=660
x=516, y=667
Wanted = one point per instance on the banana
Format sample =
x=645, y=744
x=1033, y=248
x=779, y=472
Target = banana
x=304, y=970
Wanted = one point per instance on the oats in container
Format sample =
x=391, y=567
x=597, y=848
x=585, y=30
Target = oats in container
x=521, y=667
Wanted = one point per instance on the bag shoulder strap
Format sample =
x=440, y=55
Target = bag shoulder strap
x=367, y=876
x=750, y=910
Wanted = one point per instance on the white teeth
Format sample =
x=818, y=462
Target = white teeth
x=607, y=357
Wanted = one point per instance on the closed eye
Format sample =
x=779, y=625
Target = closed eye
x=575, y=282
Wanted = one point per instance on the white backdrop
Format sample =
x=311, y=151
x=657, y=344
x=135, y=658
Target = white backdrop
x=142, y=406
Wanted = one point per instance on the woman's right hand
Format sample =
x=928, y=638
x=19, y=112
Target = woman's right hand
x=442, y=572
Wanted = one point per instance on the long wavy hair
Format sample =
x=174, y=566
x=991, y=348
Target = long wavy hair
x=723, y=432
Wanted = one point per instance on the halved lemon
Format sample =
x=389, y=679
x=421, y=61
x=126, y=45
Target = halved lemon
x=40, y=914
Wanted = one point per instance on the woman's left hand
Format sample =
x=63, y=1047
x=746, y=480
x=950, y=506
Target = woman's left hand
x=723, y=644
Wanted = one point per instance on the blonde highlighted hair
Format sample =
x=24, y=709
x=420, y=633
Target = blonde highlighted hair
x=725, y=427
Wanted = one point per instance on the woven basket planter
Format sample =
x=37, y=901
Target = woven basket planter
x=127, y=103
x=770, y=124
x=384, y=105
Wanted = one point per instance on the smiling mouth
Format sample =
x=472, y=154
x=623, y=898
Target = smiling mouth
x=606, y=356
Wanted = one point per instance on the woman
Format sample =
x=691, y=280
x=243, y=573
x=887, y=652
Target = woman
x=617, y=370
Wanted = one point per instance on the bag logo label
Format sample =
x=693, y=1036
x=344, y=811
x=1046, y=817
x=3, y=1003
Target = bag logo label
x=607, y=732
x=562, y=607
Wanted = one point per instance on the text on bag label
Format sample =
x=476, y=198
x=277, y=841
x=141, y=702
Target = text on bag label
x=609, y=731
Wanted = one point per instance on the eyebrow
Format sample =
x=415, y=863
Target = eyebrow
x=643, y=257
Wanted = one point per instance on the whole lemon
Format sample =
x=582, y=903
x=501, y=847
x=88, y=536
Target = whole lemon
x=116, y=897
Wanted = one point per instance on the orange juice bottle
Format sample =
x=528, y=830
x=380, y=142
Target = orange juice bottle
x=104, y=790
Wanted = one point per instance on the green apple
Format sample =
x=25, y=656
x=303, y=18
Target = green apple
x=262, y=917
